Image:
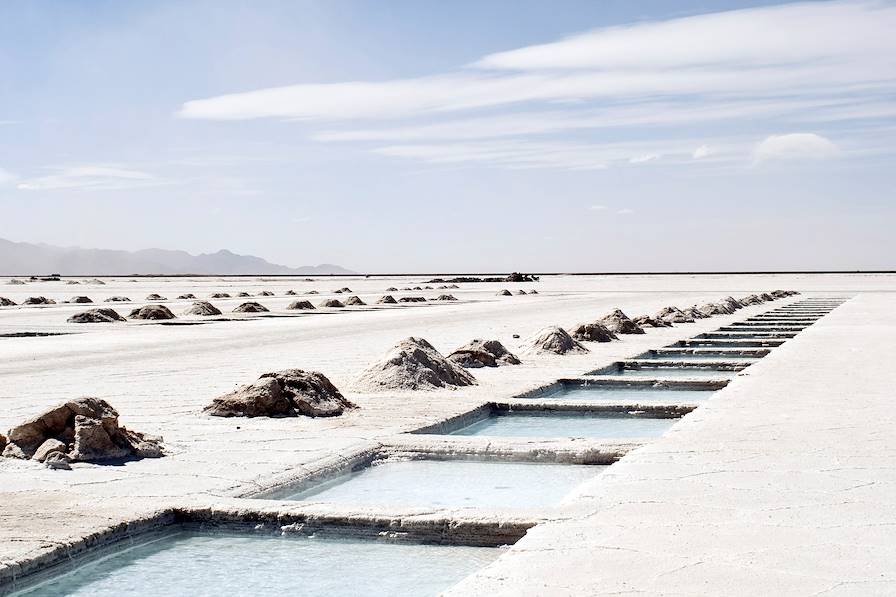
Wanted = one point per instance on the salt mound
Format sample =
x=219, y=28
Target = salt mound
x=504, y=292
x=312, y=292
x=483, y=353
x=96, y=281
x=290, y=293
x=521, y=292
x=38, y=300
x=186, y=297
x=413, y=364
x=155, y=297
x=753, y=299
x=694, y=313
x=251, y=307
x=648, y=321
x=391, y=289
x=412, y=299
x=300, y=305
x=203, y=308
x=72, y=282
x=15, y=282
x=96, y=316
x=353, y=300
x=619, y=322
x=533, y=291
x=732, y=303
x=554, y=340
x=287, y=393
x=446, y=297
x=766, y=296
x=593, y=332
x=242, y=294
x=331, y=303
x=265, y=293
x=118, y=299
x=5, y=302
x=85, y=429
x=220, y=295
x=710, y=309
x=80, y=299
x=387, y=299
x=152, y=312
x=673, y=315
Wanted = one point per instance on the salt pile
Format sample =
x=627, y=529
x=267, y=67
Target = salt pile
x=413, y=364
x=287, y=393
x=554, y=340
x=483, y=353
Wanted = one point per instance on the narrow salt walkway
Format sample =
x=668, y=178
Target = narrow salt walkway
x=782, y=484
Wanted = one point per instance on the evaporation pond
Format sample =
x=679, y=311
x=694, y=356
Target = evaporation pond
x=452, y=483
x=201, y=564
x=625, y=394
x=564, y=424
x=676, y=372
x=697, y=356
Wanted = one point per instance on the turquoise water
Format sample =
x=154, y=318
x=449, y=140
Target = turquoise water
x=641, y=394
x=453, y=483
x=541, y=424
x=673, y=372
x=212, y=565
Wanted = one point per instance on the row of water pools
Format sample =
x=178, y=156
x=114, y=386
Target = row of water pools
x=629, y=402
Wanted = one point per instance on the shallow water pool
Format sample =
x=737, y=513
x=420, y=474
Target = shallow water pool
x=452, y=483
x=199, y=564
x=626, y=394
x=672, y=372
x=566, y=424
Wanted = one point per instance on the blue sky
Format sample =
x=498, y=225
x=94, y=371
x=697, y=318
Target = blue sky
x=477, y=136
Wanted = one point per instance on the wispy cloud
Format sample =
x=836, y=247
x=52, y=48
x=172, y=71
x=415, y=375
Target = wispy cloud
x=780, y=65
x=795, y=146
x=6, y=176
x=90, y=177
x=819, y=48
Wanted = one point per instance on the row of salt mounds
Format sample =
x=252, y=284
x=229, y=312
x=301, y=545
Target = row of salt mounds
x=593, y=332
x=620, y=323
x=554, y=340
x=85, y=430
x=483, y=353
x=413, y=364
x=287, y=393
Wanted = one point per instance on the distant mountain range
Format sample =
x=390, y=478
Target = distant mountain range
x=20, y=259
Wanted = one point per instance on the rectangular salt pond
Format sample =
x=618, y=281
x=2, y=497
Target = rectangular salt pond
x=205, y=564
x=567, y=424
x=671, y=372
x=640, y=394
x=700, y=356
x=452, y=483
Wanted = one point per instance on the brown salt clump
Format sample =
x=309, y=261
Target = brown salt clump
x=554, y=340
x=673, y=315
x=331, y=303
x=593, y=332
x=80, y=299
x=265, y=293
x=391, y=289
x=288, y=393
x=155, y=297
x=251, y=307
x=222, y=295
x=652, y=322
x=446, y=297
x=483, y=353
x=620, y=323
x=96, y=316
x=203, y=308
x=38, y=300
x=387, y=299
x=152, y=312
x=694, y=313
x=504, y=292
x=290, y=293
x=412, y=299
x=732, y=303
x=752, y=299
x=413, y=364
x=187, y=297
x=5, y=302
x=85, y=429
x=300, y=305
x=710, y=309
x=117, y=299
x=353, y=300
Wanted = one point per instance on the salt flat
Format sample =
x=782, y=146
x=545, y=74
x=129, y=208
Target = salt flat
x=159, y=378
